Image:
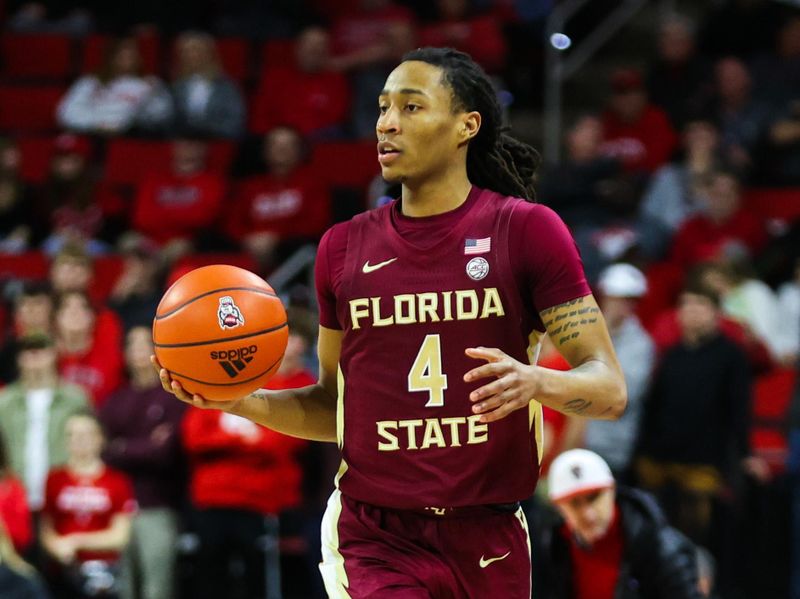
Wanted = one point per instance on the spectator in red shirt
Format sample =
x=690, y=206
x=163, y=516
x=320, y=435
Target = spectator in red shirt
x=479, y=36
x=307, y=94
x=636, y=131
x=72, y=270
x=68, y=201
x=367, y=44
x=88, y=509
x=14, y=512
x=609, y=541
x=287, y=205
x=176, y=205
x=359, y=36
x=83, y=359
x=292, y=372
x=723, y=224
x=240, y=473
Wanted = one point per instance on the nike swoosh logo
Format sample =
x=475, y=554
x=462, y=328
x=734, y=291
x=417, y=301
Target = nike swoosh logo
x=485, y=562
x=368, y=268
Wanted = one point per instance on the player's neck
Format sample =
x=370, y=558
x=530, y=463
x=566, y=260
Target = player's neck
x=436, y=196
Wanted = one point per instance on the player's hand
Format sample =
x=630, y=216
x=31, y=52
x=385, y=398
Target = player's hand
x=515, y=385
x=198, y=401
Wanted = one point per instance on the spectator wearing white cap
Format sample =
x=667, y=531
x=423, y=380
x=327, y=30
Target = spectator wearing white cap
x=621, y=286
x=610, y=542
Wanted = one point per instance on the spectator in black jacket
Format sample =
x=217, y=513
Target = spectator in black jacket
x=611, y=542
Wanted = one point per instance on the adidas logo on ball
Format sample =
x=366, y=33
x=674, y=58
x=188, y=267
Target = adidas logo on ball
x=234, y=361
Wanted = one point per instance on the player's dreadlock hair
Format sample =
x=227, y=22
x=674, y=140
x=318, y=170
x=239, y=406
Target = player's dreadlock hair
x=495, y=160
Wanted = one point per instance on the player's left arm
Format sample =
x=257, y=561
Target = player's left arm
x=593, y=388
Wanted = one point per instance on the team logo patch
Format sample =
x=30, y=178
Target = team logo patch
x=477, y=269
x=229, y=314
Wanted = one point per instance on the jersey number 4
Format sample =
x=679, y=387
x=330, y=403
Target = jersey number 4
x=426, y=372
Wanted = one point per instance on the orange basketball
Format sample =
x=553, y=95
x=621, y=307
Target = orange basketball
x=220, y=331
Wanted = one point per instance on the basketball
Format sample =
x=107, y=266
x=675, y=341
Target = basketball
x=220, y=331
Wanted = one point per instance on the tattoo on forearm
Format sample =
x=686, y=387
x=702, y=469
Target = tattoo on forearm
x=576, y=406
x=573, y=314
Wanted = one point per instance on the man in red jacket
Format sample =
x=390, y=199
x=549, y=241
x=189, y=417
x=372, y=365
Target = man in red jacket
x=286, y=205
x=636, y=131
x=182, y=201
x=306, y=94
x=239, y=473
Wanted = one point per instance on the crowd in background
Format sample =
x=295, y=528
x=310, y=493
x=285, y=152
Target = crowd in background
x=682, y=190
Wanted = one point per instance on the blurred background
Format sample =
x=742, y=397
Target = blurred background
x=140, y=140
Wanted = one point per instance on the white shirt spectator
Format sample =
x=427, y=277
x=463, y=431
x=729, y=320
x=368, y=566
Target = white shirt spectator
x=36, y=454
x=115, y=106
x=789, y=302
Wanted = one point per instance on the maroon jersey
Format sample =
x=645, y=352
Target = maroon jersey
x=410, y=296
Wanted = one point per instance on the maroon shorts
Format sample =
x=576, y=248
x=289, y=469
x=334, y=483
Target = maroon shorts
x=380, y=553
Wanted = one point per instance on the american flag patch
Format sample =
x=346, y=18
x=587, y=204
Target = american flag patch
x=477, y=246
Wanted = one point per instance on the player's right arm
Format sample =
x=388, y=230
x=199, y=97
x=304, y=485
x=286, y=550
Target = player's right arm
x=306, y=412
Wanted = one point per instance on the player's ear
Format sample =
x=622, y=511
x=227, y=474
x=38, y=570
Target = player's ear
x=470, y=125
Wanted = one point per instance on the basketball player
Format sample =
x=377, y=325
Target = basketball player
x=431, y=309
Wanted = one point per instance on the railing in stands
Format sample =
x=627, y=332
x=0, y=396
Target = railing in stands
x=559, y=67
x=301, y=260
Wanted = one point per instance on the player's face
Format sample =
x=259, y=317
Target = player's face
x=589, y=515
x=419, y=134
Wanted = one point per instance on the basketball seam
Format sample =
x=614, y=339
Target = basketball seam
x=212, y=292
x=222, y=340
x=188, y=378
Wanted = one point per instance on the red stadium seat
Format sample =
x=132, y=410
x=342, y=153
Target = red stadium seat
x=36, y=153
x=780, y=204
x=94, y=47
x=128, y=160
x=36, y=56
x=346, y=164
x=30, y=266
x=234, y=54
x=220, y=155
x=772, y=395
x=190, y=262
x=107, y=270
x=275, y=53
x=25, y=108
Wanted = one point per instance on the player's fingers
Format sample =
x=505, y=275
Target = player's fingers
x=490, y=369
x=166, y=380
x=490, y=389
x=493, y=402
x=180, y=392
x=492, y=354
x=504, y=410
